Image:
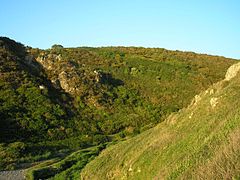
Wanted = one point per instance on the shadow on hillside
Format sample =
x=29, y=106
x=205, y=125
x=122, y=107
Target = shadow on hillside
x=108, y=79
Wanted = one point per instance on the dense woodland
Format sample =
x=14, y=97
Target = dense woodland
x=58, y=100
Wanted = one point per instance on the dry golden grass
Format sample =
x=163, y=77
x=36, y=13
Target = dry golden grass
x=225, y=163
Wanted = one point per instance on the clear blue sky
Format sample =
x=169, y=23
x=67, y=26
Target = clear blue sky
x=205, y=26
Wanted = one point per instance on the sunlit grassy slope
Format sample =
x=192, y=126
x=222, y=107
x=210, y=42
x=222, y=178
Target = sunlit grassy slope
x=201, y=141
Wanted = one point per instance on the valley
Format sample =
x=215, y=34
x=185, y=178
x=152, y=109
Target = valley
x=67, y=108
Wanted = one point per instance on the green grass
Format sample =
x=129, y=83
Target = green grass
x=68, y=167
x=181, y=147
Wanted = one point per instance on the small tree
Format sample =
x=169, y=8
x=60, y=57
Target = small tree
x=57, y=46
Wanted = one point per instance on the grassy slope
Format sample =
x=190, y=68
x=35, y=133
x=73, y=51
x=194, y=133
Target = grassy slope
x=201, y=141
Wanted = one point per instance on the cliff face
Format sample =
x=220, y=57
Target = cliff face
x=62, y=75
x=198, y=142
x=65, y=73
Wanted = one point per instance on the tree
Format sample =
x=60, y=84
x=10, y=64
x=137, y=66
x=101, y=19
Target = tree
x=57, y=46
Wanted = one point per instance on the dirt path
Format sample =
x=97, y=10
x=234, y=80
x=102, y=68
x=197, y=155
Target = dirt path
x=12, y=175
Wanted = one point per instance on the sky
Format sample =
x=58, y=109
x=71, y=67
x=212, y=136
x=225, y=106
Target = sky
x=203, y=26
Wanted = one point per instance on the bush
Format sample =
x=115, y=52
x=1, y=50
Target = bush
x=99, y=139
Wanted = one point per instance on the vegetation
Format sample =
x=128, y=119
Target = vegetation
x=68, y=168
x=199, y=142
x=60, y=100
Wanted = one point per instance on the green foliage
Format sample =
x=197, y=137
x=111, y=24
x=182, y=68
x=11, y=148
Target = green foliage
x=56, y=48
x=17, y=49
x=68, y=168
x=74, y=98
x=11, y=153
x=199, y=142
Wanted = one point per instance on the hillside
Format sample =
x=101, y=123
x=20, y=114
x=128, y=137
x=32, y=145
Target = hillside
x=198, y=142
x=29, y=102
x=130, y=89
x=60, y=100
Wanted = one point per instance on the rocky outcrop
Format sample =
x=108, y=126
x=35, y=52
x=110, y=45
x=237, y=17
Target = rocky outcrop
x=214, y=102
x=69, y=82
x=212, y=91
x=232, y=71
x=62, y=75
x=48, y=60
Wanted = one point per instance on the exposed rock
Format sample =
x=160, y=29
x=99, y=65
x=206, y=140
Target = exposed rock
x=48, y=60
x=211, y=91
x=59, y=57
x=44, y=62
x=134, y=71
x=41, y=87
x=190, y=116
x=130, y=169
x=139, y=170
x=69, y=81
x=214, y=102
x=64, y=83
x=98, y=75
x=196, y=99
x=232, y=71
x=63, y=74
